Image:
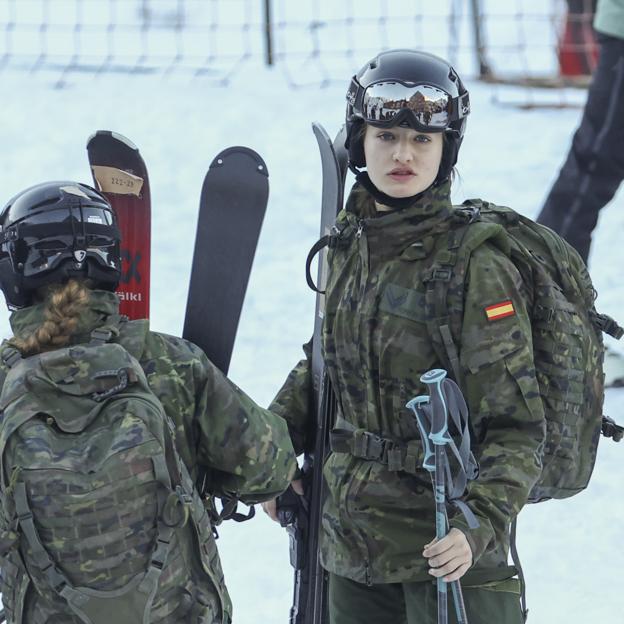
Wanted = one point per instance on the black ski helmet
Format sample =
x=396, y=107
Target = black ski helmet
x=427, y=94
x=54, y=231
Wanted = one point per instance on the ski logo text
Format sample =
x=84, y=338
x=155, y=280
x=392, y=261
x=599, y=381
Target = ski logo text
x=129, y=296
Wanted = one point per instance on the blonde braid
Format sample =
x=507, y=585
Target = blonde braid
x=64, y=306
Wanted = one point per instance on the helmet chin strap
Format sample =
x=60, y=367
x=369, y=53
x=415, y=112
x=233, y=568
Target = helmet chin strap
x=396, y=203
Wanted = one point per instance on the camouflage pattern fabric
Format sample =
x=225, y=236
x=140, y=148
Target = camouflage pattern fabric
x=566, y=330
x=245, y=448
x=377, y=520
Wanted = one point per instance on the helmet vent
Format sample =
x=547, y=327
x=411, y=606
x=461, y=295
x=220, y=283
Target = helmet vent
x=45, y=202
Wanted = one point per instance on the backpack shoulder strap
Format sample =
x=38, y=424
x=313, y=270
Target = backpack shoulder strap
x=445, y=277
x=132, y=336
x=10, y=356
x=105, y=333
x=443, y=298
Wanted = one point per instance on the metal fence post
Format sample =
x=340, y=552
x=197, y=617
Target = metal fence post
x=268, y=32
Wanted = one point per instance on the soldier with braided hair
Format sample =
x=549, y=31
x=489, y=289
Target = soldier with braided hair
x=104, y=428
x=65, y=304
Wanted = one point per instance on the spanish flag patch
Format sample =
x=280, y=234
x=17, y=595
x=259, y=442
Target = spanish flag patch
x=500, y=310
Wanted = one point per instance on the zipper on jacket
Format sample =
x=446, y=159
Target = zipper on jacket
x=367, y=573
x=361, y=226
x=364, y=253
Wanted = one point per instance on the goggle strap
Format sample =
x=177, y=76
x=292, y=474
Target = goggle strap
x=355, y=93
x=48, y=230
x=463, y=105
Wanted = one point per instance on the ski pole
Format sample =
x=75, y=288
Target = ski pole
x=432, y=418
x=437, y=382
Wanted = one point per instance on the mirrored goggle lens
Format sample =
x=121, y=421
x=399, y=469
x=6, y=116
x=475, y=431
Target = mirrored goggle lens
x=431, y=107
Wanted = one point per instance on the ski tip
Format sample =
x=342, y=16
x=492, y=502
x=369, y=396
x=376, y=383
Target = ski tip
x=110, y=134
x=319, y=129
x=231, y=153
x=321, y=134
x=341, y=137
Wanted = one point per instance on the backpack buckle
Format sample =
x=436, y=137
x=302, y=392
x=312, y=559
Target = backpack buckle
x=101, y=335
x=175, y=513
x=610, y=429
x=608, y=325
x=468, y=213
x=337, y=238
x=441, y=274
x=368, y=445
x=11, y=357
x=25, y=516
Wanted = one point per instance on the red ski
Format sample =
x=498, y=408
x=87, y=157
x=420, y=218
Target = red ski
x=119, y=172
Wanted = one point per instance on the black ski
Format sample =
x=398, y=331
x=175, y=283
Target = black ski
x=232, y=206
x=303, y=517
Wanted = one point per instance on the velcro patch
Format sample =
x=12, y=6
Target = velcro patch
x=500, y=310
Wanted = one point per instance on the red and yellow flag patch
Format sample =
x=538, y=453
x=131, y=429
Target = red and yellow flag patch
x=500, y=310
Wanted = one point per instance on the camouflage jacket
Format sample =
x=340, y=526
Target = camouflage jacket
x=376, y=346
x=246, y=449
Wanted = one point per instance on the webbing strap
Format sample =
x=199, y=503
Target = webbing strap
x=516, y=561
x=76, y=598
x=230, y=511
x=336, y=238
x=320, y=244
x=398, y=456
x=467, y=468
x=458, y=412
x=164, y=533
x=438, y=279
x=103, y=334
x=11, y=356
x=161, y=472
x=451, y=353
x=606, y=324
x=56, y=579
x=610, y=429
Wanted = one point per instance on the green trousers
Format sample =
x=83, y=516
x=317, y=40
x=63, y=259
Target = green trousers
x=416, y=603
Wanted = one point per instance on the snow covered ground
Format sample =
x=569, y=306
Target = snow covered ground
x=571, y=550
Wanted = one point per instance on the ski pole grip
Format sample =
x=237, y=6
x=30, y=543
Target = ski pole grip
x=439, y=420
x=418, y=405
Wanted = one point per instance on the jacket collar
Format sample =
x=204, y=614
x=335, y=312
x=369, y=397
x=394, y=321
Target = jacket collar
x=389, y=233
x=102, y=304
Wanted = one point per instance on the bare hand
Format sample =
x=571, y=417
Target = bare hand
x=451, y=557
x=270, y=506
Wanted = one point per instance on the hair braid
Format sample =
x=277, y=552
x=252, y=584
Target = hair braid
x=64, y=305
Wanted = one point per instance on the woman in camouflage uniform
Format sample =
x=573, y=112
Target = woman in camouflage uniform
x=59, y=267
x=405, y=120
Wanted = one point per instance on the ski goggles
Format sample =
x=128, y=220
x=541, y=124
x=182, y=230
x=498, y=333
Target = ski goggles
x=389, y=103
x=42, y=240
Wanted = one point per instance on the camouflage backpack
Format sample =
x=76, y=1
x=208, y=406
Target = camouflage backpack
x=99, y=512
x=566, y=332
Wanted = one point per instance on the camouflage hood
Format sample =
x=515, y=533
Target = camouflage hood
x=102, y=304
x=389, y=233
